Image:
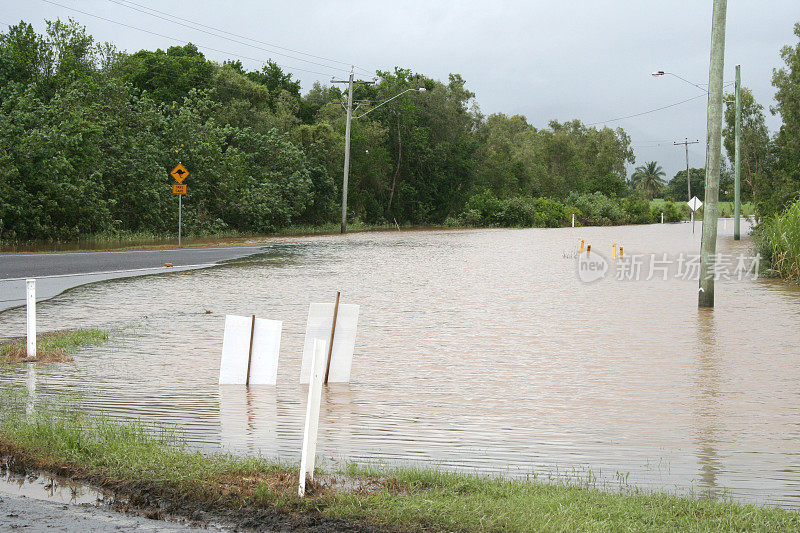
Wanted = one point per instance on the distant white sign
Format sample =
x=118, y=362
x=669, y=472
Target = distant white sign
x=236, y=349
x=694, y=203
x=320, y=318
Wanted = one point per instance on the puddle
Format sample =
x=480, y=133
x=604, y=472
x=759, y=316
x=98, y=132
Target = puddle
x=50, y=488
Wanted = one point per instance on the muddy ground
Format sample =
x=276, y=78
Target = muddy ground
x=20, y=513
x=134, y=507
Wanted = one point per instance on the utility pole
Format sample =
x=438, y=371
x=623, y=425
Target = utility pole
x=708, y=246
x=349, y=109
x=737, y=199
x=686, y=143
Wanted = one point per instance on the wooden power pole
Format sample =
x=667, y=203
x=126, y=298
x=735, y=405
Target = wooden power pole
x=708, y=247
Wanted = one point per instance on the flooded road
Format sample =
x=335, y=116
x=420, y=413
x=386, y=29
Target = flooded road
x=478, y=350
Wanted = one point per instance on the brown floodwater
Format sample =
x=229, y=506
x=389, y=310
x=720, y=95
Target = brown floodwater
x=477, y=350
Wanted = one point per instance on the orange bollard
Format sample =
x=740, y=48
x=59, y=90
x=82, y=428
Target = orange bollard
x=588, y=249
x=613, y=251
x=620, y=252
x=581, y=250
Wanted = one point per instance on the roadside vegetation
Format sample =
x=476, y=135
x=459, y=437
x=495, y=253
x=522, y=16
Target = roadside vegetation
x=265, y=158
x=52, y=347
x=778, y=242
x=153, y=470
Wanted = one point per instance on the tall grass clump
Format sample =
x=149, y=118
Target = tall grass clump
x=52, y=346
x=778, y=241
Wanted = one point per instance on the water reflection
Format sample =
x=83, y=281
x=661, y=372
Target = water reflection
x=477, y=350
x=248, y=418
x=706, y=409
x=30, y=385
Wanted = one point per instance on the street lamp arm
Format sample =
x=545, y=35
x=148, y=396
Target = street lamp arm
x=661, y=73
x=420, y=89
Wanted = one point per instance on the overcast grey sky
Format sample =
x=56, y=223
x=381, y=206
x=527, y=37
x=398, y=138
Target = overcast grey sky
x=546, y=60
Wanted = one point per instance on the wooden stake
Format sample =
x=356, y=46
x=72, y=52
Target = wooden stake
x=330, y=344
x=250, y=354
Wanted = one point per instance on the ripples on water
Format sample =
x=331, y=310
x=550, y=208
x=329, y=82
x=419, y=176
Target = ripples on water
x=477, y=350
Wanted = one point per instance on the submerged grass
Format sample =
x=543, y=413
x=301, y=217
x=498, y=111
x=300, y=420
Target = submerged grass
x=149, y=465
x=53, y=346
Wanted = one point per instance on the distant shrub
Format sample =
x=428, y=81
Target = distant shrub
x=597, y=209
x=550, y=213
x=672, y=213
x=638, y=210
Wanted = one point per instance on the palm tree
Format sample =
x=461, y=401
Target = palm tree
x=649, y=178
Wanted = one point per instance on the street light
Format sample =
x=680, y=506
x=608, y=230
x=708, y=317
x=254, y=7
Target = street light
x=662, y=73
x=738, y=106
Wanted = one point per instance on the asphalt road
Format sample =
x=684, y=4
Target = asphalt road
x=56, y=264
x=57, y=272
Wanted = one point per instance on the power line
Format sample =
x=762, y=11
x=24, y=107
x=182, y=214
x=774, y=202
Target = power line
x=650, y=111
x=654, y=110
x=348, y=64
x=146, y=10
x=260, y=61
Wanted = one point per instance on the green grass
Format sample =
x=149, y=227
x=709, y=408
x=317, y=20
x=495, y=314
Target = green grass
x=725, y=208
x=133, y=241
x=133, y=458
x=53, y=346
x=778, y=241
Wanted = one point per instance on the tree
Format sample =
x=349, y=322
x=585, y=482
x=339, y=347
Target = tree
x=754, y=144
x=676, y=188
x=649, y=178
x=779, y=187
x=169, y=76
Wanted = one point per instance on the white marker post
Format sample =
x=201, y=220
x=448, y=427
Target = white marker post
x=30, y=285
x=662, y=217
x=312, y=416
x=573, y=220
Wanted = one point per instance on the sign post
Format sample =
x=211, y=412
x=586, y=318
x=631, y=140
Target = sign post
x=694, y=205
x=30, y=285
x=179, y=173
x=309, y=450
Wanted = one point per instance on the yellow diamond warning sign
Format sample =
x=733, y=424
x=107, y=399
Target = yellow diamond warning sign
x=179, y=173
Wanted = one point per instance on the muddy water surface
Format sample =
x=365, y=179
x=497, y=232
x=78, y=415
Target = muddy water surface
x=477, y=350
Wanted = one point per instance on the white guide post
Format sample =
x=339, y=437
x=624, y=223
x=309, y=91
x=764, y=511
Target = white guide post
x=318, y=364
x=30, y=285
x=573, y=220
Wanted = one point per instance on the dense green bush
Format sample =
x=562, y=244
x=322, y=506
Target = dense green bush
x=549, y=213
x=672, y=213
x=597, y=209
x=638, y=210
x=484, y=209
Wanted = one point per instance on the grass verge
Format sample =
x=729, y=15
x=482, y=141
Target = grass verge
x=778, y=242
x=154, y=470
x=51, y=347
x=141, y=241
